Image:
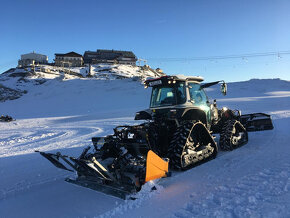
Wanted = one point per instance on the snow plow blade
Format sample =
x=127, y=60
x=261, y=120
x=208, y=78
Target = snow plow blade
x=256, y=122
x=92, y=174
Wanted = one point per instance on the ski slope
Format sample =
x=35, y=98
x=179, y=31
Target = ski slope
x=63, y=115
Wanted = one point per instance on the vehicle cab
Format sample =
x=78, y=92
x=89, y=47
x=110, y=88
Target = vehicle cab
x=178, y=97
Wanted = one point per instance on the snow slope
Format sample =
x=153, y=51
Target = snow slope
x=77, y=90
x=62, y=115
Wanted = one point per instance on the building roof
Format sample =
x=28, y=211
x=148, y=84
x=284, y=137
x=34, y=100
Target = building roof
x=110, y=54
x=90, y=52
x=127, y=54
x=70, y=54
x=33, y=53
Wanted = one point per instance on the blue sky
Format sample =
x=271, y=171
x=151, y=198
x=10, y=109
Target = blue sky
x=155, y=30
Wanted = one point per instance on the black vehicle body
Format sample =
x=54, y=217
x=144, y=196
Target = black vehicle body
x=179, y=125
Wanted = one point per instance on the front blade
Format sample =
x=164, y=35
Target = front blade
x=256, y=122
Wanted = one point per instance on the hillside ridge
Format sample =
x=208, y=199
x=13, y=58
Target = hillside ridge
x=17, y=81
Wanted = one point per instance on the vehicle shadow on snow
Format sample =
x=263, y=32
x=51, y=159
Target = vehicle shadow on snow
x=36, y=188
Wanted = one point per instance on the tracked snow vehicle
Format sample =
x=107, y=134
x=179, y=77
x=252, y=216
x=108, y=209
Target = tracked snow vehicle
x=178, y=132
x=5, y=118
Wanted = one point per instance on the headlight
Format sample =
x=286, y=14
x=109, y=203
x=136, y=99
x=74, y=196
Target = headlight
x=204, y=108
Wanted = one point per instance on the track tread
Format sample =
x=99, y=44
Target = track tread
x=179, y=142
x=227, y=134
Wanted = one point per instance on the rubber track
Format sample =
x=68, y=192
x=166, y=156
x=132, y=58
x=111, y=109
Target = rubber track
x=179, y=142
x=226, y=135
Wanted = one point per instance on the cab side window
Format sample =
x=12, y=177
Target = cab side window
x=197, y=95
x=162, y=96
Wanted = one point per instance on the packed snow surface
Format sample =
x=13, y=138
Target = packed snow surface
x=62, y=115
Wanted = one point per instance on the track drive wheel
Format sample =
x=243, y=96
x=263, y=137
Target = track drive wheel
x=233, y=135
x=191, y=145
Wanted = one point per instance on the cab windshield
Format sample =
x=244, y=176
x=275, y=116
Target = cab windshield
x=168, y=95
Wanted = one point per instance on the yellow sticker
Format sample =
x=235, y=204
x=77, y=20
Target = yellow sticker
x=153, y=110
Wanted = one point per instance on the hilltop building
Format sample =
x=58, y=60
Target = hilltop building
x=158, y=70
x=32, y=59
x=110, y=57
x=71, y=59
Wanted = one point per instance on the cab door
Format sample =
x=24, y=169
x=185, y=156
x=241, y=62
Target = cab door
x=199, y=99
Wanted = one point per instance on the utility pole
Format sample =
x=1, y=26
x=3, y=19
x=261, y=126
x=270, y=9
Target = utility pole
x=89, y=74
x=139, y=60
x=33, y=67
x=142, y=68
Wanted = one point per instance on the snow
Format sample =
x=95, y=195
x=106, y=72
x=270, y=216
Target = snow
x=63, y=114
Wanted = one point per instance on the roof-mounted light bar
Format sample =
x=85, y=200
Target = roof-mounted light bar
x=171, y=80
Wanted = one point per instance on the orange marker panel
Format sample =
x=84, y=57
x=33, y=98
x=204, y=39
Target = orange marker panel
x=156, y=167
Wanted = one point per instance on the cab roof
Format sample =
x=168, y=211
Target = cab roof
x=192, y=78
x=154, y=81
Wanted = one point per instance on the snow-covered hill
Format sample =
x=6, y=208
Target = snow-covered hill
x=18, y=81
x=62, y=114
x=99, y=71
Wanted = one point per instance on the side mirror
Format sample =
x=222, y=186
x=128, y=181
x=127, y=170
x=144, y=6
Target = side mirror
x=214, y=103
x=224, y=88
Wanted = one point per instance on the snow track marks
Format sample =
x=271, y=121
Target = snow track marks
x=255, y=195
